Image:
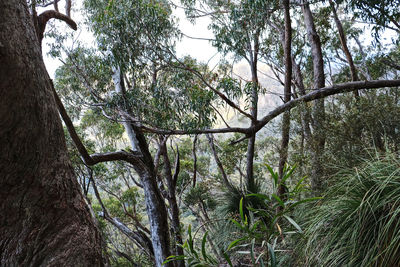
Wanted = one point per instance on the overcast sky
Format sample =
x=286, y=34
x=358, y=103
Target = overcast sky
x=199, y=49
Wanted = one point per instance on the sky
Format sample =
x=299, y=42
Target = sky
x=202, y=50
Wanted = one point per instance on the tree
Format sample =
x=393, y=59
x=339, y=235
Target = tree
x=45, y=219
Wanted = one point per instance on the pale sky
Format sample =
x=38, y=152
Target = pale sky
x=202, y=50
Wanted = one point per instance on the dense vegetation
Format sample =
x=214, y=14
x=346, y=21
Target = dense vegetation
x=179, y=160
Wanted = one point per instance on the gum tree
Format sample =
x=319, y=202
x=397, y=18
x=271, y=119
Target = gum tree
x=45, y=218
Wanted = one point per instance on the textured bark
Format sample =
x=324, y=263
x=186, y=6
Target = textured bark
x=45, y=220
x=287, y=43
x=318, y=112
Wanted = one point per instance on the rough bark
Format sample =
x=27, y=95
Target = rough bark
x=45, y=220
x=318, y=111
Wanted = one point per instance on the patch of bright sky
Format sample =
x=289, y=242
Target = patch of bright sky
x=195, y=41
x=198, y=48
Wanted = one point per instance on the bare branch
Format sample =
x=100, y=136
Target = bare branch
x=68, y=6
x=194, y=160
x=219, y=164
x=177, y=168
x=52, y=14
x=139, y=238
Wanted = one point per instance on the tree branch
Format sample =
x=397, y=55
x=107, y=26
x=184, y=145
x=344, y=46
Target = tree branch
x=52, y=14
x=94, y=158
x=322, y=93
x=225, y=178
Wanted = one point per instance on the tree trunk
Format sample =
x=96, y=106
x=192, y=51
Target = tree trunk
x=155, y=205
x=173, y=205
x=287, y=43
x=253, y=52
x=346, y=50
x=318, y=142
x=45, y=220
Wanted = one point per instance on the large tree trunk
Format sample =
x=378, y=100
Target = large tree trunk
x=318, y=112
x=44, y=220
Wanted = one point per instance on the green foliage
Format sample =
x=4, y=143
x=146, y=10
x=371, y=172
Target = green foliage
x=356, y=128
x=199, y=194
x=257, y=229
x=379, y=12
x=192, y=257
x=357, y=223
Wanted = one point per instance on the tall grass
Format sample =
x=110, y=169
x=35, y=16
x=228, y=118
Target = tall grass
x=358, y=221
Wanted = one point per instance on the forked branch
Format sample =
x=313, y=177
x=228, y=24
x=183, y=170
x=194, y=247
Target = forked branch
x=97, y=157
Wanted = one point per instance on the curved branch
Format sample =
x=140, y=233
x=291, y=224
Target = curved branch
x=52, y=14
x=322, y=93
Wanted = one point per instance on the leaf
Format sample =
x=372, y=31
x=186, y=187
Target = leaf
x=253, y=258
x=241, y=209
x=190, y=241
x=304, y=201
x=227, y=259
x=272, y=255
x=237, y=224
x=279, y=200
x=234, y=243
x=173, y=258
x=288, y=174
x=293, y=223
x=274, y=175
x=262, y=196
x=255, y=225
x=259, y=259
x=203, y=246
x=299, y=184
